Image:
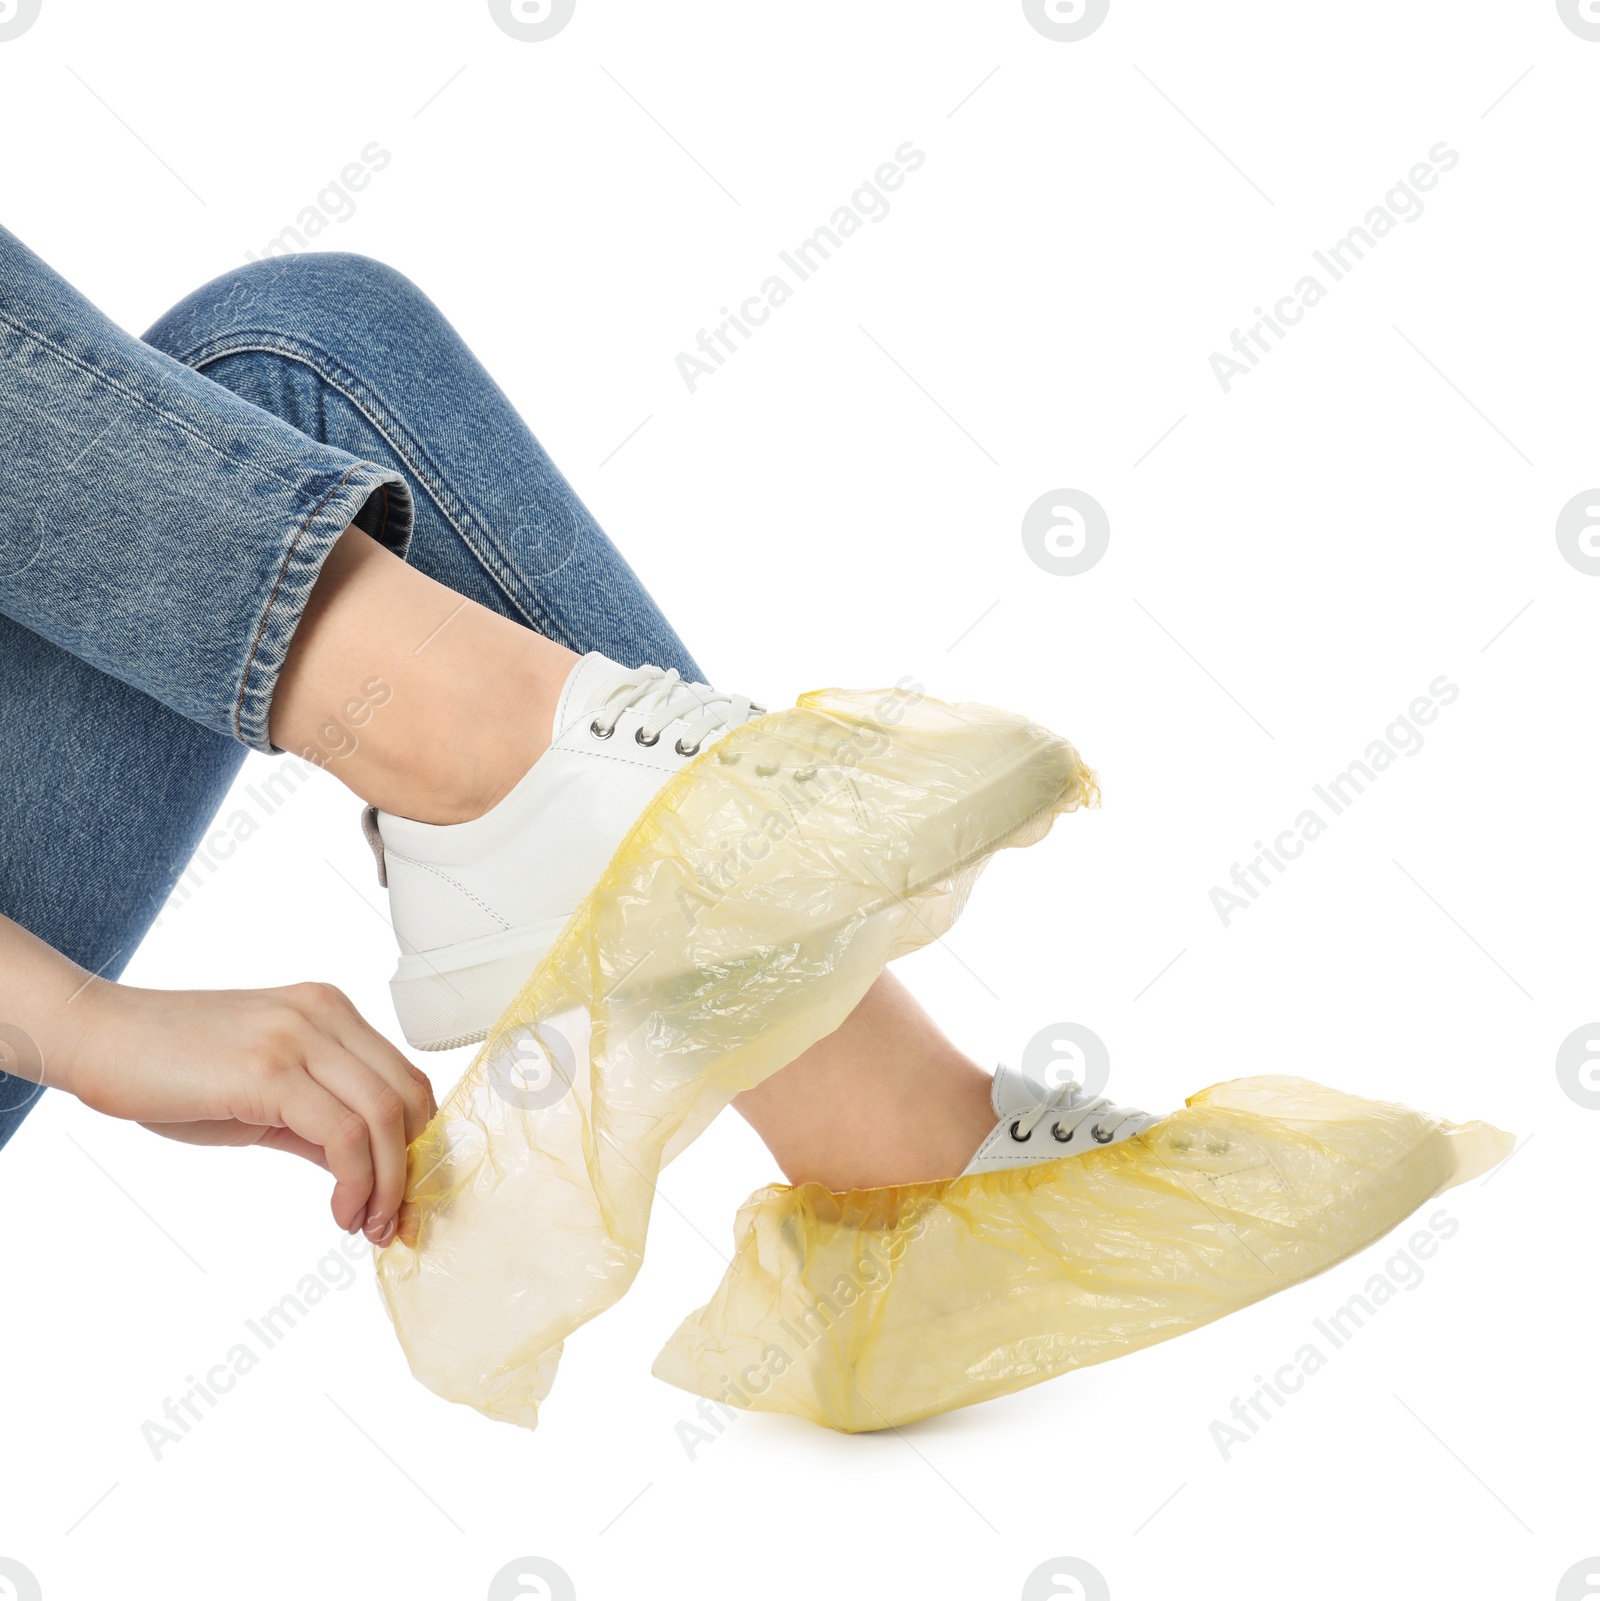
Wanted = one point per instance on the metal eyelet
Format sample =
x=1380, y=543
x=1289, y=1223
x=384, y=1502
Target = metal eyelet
x=599, y=732
x=638, y=735
x=1021, y=1139
x=686, y=750
x=1065, y=1139
x=1101, y=1137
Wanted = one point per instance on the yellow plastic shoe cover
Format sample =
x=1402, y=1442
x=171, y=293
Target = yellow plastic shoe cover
x=751, y=906
x=877, y=1307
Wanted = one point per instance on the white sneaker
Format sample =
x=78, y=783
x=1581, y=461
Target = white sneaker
x=1042, y=1124
x=476, y=905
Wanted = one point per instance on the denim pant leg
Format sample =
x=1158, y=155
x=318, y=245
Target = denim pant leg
x=355, y=355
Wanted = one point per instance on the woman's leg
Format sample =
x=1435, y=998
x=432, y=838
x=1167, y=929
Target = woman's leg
x=885, y=1099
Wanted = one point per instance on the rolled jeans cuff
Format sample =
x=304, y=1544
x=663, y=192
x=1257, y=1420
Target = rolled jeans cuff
x=372, y=498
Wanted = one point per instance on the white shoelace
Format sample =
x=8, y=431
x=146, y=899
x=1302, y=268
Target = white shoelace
x=1071, y=1108
x=662, y=696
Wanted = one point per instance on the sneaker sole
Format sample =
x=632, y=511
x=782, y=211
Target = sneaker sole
x=451, y=997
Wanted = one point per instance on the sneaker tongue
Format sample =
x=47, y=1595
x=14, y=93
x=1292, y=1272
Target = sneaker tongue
x=591, y=672
x=1014, y=1092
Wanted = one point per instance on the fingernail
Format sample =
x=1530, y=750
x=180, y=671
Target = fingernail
x=388, y=1232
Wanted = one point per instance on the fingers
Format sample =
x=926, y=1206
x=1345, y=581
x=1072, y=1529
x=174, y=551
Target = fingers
x=325, y=1120
x=336, y=1014
x=369, y=1075
x=383, y=1112
x=411, y=1084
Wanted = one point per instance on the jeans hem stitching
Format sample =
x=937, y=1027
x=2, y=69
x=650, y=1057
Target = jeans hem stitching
x=255, y=644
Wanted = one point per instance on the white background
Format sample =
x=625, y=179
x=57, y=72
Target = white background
x=1293, y=563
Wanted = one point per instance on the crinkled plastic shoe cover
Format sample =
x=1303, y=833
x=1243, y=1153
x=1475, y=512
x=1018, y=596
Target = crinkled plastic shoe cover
x=752, y=905
x=878, y=1307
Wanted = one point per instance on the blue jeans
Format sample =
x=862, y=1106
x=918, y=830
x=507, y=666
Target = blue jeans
x=165, y=508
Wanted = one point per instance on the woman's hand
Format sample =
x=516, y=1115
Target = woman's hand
x=298, y=1069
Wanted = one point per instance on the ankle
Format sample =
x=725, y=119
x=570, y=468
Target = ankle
x=475, y=736
x=932, y=1135
x=458, y=700
x=476, y=758
x=884, y=1099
